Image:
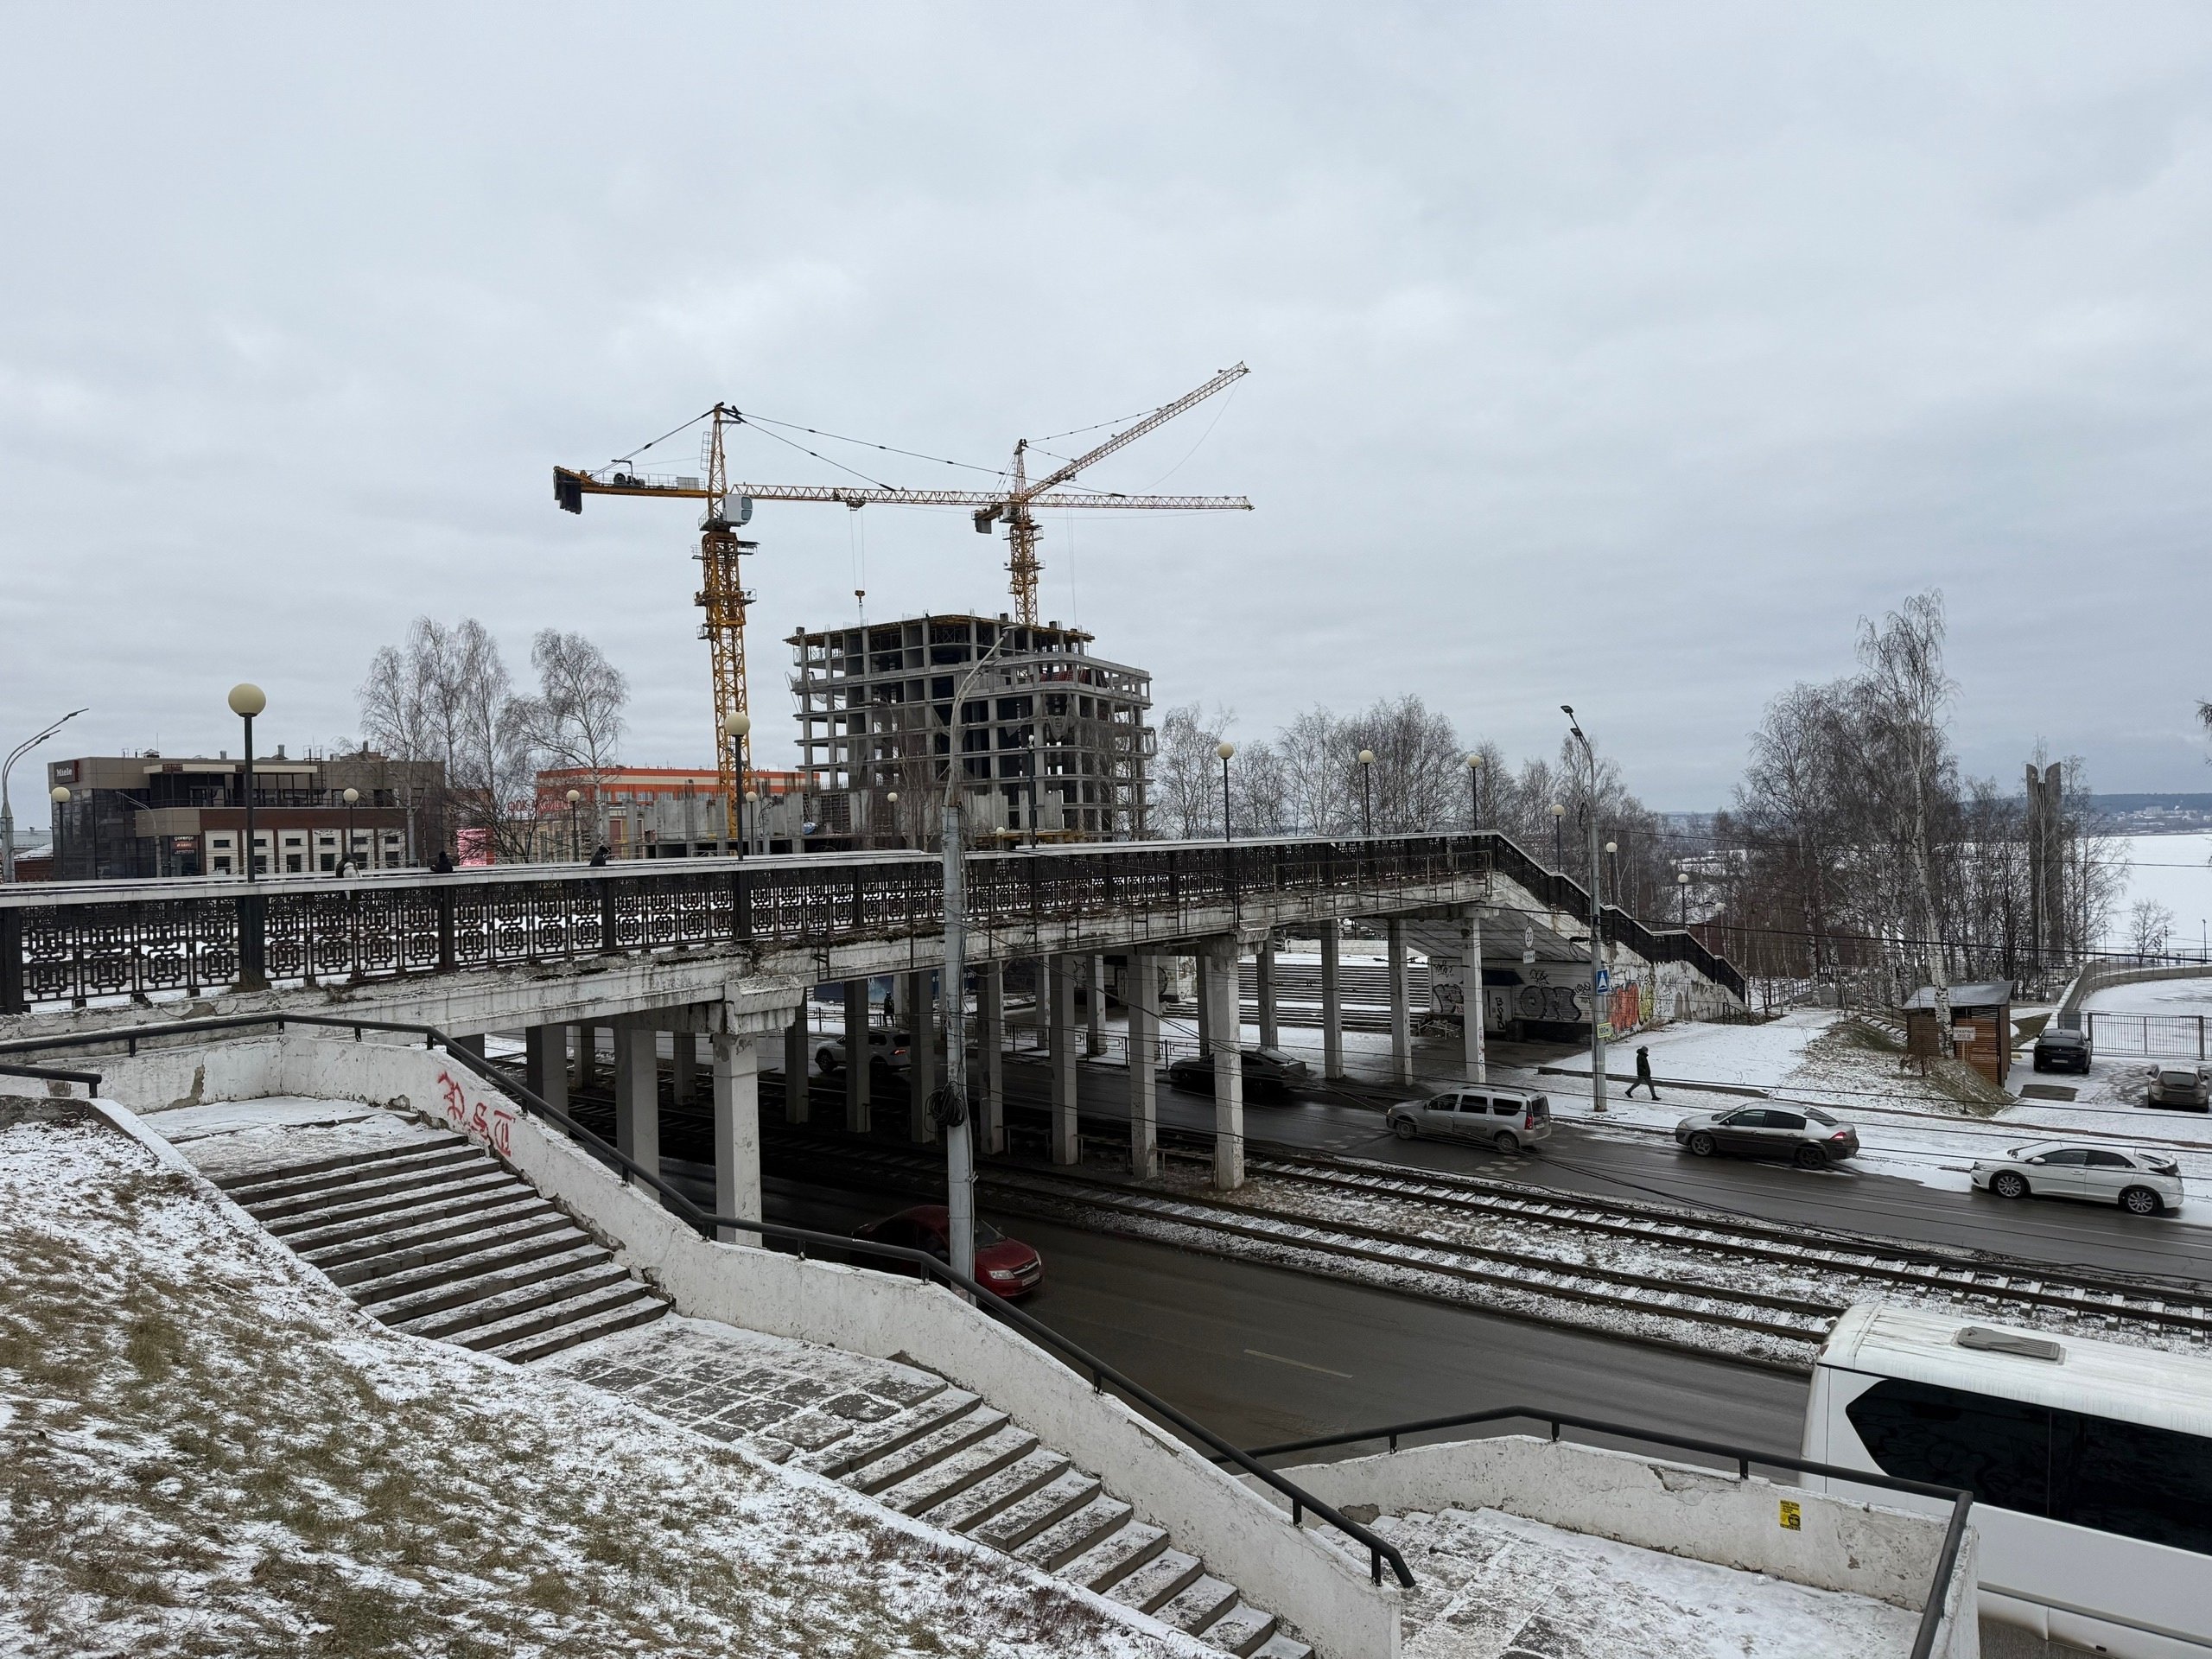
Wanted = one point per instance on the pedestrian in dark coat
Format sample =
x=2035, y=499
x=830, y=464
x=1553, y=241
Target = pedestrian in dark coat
x=1642, y=1073
x=598, y=855
x=442, y=864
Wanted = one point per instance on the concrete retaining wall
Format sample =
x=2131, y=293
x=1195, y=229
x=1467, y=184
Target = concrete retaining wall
x=1887, y=1554
x=2090, y=981
x=1242, y=1537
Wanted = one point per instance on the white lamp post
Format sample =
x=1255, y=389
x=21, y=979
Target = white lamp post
x=1224, y=749
x=735, y=725
x=247, y=700
x=60, y=795
x=1366, y=791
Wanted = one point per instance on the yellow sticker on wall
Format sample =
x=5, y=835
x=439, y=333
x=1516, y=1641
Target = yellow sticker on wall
x=1792, y=1518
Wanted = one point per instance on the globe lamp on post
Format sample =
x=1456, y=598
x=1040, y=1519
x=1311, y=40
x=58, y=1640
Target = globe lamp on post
x=352, y=798
x=1224, y=749
x=735, y=725
x=575, y=846
x=60, y=795
x=247, y=700
x=1367, y=792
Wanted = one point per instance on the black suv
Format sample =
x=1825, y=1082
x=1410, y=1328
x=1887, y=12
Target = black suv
x=2058, y=1049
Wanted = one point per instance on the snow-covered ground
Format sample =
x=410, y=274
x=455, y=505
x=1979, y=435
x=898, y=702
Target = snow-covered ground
x=1493, y=1585
x=205, y=1449
x=2175, y=871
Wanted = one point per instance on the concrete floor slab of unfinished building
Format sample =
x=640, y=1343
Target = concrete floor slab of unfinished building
x=1493, y=1585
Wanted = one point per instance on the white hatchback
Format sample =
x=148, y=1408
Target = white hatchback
x=2142, y=1183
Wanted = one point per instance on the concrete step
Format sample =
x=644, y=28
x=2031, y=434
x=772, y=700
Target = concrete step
x=1166, y=1575
x=1114, y=1557
x=642, y=1309
x=441, y=1241
x=1199, y=1604
x=290, y=1180
x=1054, y=1501
x=434, y=1140
x=949, y=1476
x=1241, y=1629
x=903, y=1463
x=354, y=1187
x=434, y=1285
x=461, y=1181
x=496, y=1298
x=863, y=1444
x=1279, y=1646
x=348, y=1223
x=538, y=1321
x=979, y=1502
x=1068, y=1537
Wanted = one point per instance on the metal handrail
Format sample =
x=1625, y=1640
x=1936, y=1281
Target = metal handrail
x=1947, y=1559
x=1379, y=1549
x=90, y=1079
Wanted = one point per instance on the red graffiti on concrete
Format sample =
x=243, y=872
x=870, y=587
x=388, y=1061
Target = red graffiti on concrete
x=467, y=1112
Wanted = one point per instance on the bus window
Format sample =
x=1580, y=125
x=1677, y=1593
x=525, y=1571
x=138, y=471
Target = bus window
x=2144, y=1483
x=1998, y=1450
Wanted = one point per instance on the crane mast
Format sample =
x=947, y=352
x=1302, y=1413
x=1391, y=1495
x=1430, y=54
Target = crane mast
x=721, y=595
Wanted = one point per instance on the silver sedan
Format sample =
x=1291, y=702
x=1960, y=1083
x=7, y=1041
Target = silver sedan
x=2141, y=1183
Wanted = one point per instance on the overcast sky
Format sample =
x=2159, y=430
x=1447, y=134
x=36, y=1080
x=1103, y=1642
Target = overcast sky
x=1621, y=356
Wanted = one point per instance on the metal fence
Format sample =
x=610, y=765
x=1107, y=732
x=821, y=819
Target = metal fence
x=75, y=943
x=2181, y=1036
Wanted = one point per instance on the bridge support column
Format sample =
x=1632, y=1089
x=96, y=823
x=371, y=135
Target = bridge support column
x=583, y=1064
x=1060, y=997
x=1474, y=1060
x=473, y=1045
x=1140, y=999
x=798, y=1066
x=1263, y=985
x=683, y=1068
x=737, y=1129
x=545, y=1065
x=990, y=1025
x=1094, y=996
x=1401, y=1030
x=858, y=1118
x=636, y=1094
x=1205, y=976
x=921, y=1053
x=1332, y=1002
x=1217, y=967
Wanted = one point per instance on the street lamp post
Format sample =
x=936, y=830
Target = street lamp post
x=745, y=819
x=1559, y=844
x=576, y=844
x=1224, y=749
x=1366, y=792
x=735, y=725
x=351, y=796
x=60, y=795
x=1613, y=871
x=1598, y=987
x=248, y=699
x=7, y=812
x=1475, y=792
x=891, y=800
x=1683, y=886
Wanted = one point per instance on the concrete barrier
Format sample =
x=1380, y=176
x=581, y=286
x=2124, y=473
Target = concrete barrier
x=1887, y=1554
x=1242, y=1537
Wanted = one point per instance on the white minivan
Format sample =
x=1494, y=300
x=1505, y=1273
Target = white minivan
x=2090, y=1463
x=1504, y=1119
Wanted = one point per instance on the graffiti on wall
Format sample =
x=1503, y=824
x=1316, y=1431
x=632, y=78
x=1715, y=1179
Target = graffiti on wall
x=487, y=1124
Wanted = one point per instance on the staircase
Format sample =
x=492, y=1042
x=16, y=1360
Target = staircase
x=434, y=1237
x=953, y=1461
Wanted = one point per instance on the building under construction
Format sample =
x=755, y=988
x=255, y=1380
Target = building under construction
x=1050, y=741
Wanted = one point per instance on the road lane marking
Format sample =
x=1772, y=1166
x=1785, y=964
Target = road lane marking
x=1257, y=1353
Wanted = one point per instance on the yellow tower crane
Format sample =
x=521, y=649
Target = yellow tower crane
x=721, y=593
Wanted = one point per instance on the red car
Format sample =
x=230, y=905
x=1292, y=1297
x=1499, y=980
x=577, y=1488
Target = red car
x=1004, y=1265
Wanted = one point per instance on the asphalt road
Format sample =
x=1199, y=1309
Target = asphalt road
x=1260, y=1355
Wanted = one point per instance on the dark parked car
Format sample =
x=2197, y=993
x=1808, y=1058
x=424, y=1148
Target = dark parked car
x=1268, y=1071
x=1002, y=1264
x=2179, y=1083
x=1806, y=1137
x=2060, y=1049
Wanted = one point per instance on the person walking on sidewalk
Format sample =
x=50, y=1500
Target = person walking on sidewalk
x=1642, y=1073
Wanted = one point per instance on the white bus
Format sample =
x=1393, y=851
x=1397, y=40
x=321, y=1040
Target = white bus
x=2090, y=1463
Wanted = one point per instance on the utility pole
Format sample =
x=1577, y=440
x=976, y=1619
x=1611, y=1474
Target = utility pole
x=1598, y=986
x=7, y=810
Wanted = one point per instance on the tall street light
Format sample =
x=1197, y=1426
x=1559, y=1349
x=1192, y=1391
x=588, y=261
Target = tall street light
x=1613, y=871
x=1475, y=792
x=351, y=796
x=1366, y=792
x=891, y=800
x=1683, y=886
x=1224, y=749
x=575, y=844
x=1598, y=986
x=735, y=725
x=1558, y=844
x=6, y=813
x=248, y=699
x=60, y=795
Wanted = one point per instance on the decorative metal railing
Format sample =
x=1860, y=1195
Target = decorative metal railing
x=77, y=942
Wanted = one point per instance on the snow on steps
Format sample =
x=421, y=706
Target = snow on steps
x=433, y=1236
x=931, y=1450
